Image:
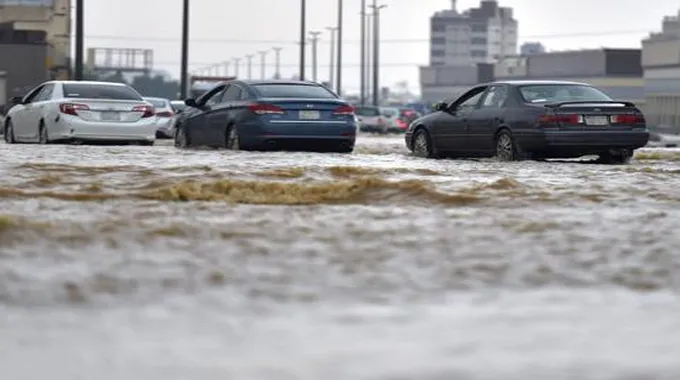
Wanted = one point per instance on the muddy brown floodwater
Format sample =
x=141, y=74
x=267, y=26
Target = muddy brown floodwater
x=154, y=263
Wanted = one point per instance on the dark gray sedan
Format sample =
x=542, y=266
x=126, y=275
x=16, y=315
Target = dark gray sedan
x=531, y=119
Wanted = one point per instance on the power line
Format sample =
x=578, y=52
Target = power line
x=393, y=41
x=356, y=65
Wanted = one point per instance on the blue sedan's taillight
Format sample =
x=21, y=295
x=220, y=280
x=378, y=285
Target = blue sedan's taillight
x=344, y=110
x=265, y=109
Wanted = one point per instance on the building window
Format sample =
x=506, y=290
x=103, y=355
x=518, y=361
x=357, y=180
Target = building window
x=478, y=53
x=478, y=27
x=437, y=40
x=478, y=41
x=438, y=27
x=437, y=53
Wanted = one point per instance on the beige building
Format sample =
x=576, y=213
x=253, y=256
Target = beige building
x=661, y=64
x=51, y=16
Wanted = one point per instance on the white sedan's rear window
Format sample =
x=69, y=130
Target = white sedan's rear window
x=100, y=91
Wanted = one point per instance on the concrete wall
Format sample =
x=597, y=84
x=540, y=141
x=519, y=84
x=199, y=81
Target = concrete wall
x=586, y=63
x=25, y=66
x=432, y=94
x=511, y=67
x=448, y=75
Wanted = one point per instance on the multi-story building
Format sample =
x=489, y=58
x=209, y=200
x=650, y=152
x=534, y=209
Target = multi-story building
x=23, y=54
x=618, y=72
x=661, y=64
x=463, y=42
x=51, y=16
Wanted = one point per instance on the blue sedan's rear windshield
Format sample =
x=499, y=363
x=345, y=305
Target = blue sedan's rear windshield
x=553, y=93
x=293, y=91
x=100, y=91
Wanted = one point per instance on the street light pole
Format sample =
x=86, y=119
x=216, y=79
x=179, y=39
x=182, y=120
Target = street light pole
x=184, y=74
x=226, y=68
x=79, y=56
x=369, y=58
x=315, y=41
x=263, y=63
x=237, y=62
x=338, y=78
x=332, y=59
x=362, y=93
x=277, y=62
x=303, y=36
x=376, y=51
x=249, y=59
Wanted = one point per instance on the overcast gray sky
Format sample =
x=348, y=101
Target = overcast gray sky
x=241, y=27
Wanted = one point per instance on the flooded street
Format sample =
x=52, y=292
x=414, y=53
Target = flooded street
x=155, y=263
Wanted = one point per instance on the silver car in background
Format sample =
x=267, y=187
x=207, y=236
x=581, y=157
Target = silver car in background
x=80, y=111
x=370, y=119
x=165, y=117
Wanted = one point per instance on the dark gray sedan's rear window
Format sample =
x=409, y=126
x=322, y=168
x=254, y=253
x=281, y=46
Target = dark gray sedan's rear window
x=100, y=91
x=554, y=93
x=306, y=91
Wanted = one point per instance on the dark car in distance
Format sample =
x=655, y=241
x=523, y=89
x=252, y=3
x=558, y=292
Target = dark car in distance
x=268, y=115
x=516, y=120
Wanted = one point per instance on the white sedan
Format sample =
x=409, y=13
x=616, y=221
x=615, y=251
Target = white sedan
x=80, y=111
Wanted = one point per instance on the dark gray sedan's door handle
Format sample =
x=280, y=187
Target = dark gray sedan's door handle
x=499, y=120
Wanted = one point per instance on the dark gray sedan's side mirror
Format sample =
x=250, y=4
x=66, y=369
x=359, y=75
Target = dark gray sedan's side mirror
x=191, y=102
x=440, y=106
x=16, y=100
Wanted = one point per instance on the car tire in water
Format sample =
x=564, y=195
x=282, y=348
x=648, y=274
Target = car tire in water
x=9, y=132
x=422, y=144
x=344, y=148
x=232, y=139
x=506, y=149
x=43, y=136
x=181, y=138
x=616, y=156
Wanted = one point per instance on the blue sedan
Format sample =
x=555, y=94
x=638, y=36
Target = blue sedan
x=268, y=115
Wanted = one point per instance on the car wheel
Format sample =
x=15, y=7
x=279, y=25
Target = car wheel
x=422, y=144
x=181, y=138
x=43, y=138
x=506, y=150
x=232, y=141
x=9, y=132
x=616, y=156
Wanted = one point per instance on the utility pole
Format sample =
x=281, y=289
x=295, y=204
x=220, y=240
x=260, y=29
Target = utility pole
x=263, y=63
x=237, y=62
x=277, y=62
x=331, y=73
x=369, y=58
x=315, y=41
x=249, y=60
x=303, y=36
x=376, y=51
x=184, y=74
x=226, y=68
x=79, y=56
x=338, y=79
x=362, y=94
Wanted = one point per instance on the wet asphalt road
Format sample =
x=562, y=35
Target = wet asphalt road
x=155, y=263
